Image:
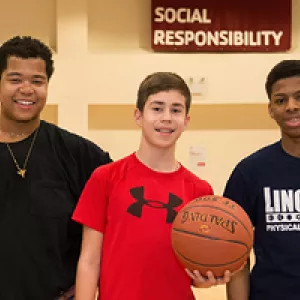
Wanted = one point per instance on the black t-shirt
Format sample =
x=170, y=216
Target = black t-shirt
x=267, y=185
x=39, y=243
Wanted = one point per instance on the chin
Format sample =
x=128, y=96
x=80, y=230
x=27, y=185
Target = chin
x=295, y=134
x=164, y=146
x=26, y=119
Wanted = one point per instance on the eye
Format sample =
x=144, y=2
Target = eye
x=279, y=101
x=15, y=80
x=176, y=110
x=37, y=82
x=155, y=108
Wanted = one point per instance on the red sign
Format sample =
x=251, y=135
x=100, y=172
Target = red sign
x=218, y=25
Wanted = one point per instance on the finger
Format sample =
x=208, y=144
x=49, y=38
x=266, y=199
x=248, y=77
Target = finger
x=191, y=274
x=224, y=279
x=198, y=276
x=227, y=276
x=210, y=277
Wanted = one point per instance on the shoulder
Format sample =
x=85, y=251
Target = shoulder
x=118, y=168
x=75, y=143
x=262, y=156
x=58, y=132
x=248, y=169
x=201, y=187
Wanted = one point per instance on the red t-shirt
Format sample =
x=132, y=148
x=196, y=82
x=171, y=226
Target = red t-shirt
x=134, y=206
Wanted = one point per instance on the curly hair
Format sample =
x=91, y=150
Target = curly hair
x=26, y=47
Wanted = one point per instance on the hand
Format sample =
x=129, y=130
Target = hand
x=68, y=295
x=210, y=280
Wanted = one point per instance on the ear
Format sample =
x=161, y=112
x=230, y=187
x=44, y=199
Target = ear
x=138, y=116
x=187, y=121
x=270, y=109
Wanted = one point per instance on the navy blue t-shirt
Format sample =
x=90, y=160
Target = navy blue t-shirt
x=267, y=185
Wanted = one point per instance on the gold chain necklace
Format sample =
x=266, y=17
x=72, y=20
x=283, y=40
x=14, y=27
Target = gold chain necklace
x=12, y=134
x=22, y=171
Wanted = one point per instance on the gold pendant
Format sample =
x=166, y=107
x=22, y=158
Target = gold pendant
x=22, y=172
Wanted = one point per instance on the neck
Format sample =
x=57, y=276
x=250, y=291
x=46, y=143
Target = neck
x=291, y=146
x=158, y=159
x=11, y=131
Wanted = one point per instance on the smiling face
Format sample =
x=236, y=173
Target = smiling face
x=23, y=89
x=284, y=106
x=163, y=119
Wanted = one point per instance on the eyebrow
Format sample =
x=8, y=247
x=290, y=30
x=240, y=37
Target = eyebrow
x=284, y=94
x=178, y=105
x=10, y=74
x=279, y=94
x=157, y=102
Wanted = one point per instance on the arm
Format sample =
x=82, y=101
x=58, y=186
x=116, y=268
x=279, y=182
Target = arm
x=238, y=287
x=88, y=268
x=239, y=189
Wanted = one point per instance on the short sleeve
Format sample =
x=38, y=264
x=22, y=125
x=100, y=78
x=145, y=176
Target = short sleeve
x=92, y=205
x=204, y=189
x=88, y=156
x=210, y=190
x=237, y=190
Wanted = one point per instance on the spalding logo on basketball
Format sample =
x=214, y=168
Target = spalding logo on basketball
x=212, y=233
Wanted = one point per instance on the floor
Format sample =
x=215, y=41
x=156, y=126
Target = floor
x=214, y=293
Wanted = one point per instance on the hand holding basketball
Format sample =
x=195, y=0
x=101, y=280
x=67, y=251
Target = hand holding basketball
x=212, y=233
x=209, y=280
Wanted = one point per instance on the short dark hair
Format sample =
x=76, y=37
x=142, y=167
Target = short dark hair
x=159, y=82
x=25, y=47
x=284, y=69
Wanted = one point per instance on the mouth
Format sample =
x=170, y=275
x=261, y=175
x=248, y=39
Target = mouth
x=24, y=103
x=292, y=122
x=165, y=130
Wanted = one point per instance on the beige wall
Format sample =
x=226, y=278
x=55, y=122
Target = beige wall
x=103, y=52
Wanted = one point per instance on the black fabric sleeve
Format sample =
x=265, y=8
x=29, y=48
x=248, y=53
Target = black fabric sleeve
x=78, y=157
x=238, y=190
x=87, y=157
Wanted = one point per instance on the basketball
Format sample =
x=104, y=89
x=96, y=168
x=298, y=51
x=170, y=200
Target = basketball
x=212, y=233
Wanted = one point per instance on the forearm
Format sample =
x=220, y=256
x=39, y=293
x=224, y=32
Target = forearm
x=87, y=280
x=239, y=286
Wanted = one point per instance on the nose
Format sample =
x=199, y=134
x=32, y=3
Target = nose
x=292, y=104
x=26, y=88
x=166, y=115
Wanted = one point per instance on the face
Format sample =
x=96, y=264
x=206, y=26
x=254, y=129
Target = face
x=164, y=118
x=23, y=89
x=284, y=106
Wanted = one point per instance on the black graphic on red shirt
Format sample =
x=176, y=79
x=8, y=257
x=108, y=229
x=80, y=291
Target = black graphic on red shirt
x=136, y=209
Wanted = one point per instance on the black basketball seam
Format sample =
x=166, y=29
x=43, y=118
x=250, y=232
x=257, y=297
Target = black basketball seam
x=212, y=238
x=211, y=265
x=218, y=208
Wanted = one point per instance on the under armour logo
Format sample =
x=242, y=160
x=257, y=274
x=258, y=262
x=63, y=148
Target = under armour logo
x=136, y=209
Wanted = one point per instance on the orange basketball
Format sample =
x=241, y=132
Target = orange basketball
x=212, y=233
